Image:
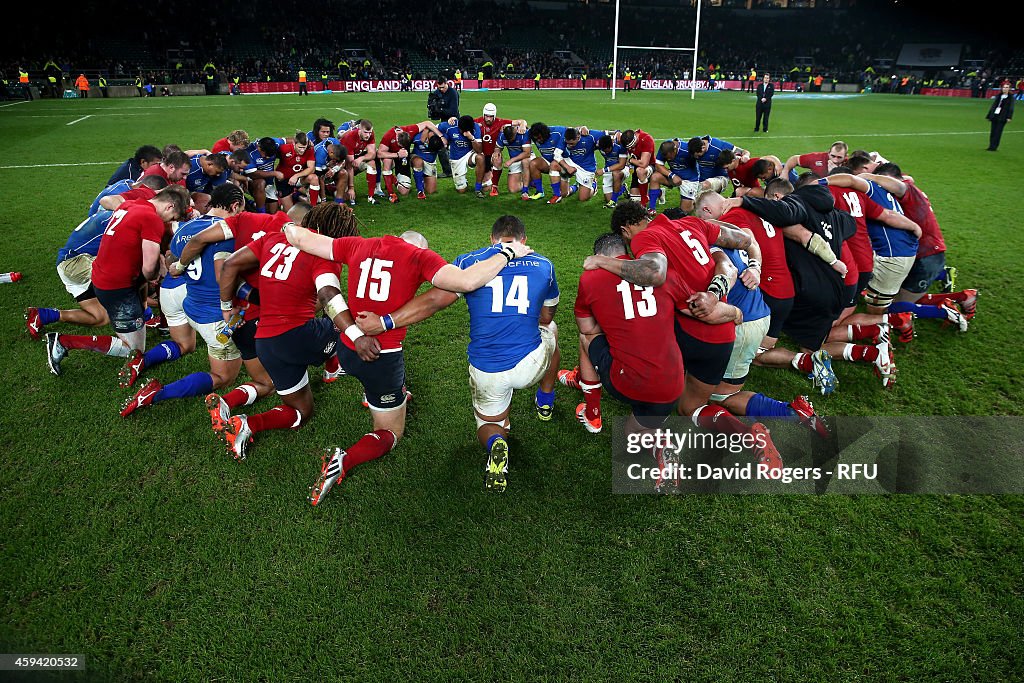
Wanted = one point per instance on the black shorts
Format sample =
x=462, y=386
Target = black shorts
x=245, y=339
x=124, y=308
x=862, y=281
x=809, y=327
x=649, y=415
x=923, y=273
x=286, y=356
x=850, y=295
x=780, y=309
x=284, y=189
x=383, y=380
x=87, y=294
x=704, y=361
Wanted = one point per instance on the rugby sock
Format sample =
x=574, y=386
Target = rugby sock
x=592, y=395
x=162, y=353
x=262, y=210
x=860, y=352
x=556, y=184
x=854, y=332
x=718, y=419
x=490, y=441
x=48, y=315
x=244, y=395
x=918, y=310
x=538, y=185
x=760, y=405
x=332, y=364
x=573, y=189
x=802, y=362
x=371, y=183
x=478, y=186
x=654, y=198
x=147, y=314
x=389, y=182
x=418, y=177
x=370, y=447
x=279, y=417
x=314, y=194
x=545, y=398
x=111, y=346
x=643, y=193
x=616, y=195
x=495, y=175
x=196, y=384
x=937, y=299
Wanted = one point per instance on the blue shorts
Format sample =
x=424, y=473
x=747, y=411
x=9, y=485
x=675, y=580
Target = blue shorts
x=287, y=355
x=383, y=380
x=649, y=415
x=124, y=308
x=923, y=272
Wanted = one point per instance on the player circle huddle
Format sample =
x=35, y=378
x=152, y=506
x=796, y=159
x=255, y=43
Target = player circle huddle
x=243, y=246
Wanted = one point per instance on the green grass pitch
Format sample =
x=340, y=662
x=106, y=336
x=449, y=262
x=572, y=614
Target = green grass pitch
x=141, y=545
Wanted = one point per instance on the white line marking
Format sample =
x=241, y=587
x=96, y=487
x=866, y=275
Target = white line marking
x=347, y=111
x=13, y=103
x=84, y=163
x=87, y=116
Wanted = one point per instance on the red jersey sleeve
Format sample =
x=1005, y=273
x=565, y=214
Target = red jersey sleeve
x=645, y=243
x=807, y=160
x=582, y=307
x=141, y=192
x=321, y=266
x=430, y=262
x=152, y=228
x=342, y=247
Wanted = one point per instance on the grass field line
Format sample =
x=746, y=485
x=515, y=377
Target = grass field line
x=347, y=111
x=83, y=118
x=13, y=103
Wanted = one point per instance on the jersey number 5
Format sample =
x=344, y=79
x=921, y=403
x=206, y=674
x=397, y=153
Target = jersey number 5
x=287, y=254
x=697, y=248
x=375, y=273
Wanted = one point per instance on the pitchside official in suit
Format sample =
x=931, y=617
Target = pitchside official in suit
x=765, y=90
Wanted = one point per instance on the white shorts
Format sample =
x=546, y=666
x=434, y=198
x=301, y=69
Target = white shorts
x=608, y=182
x=76, y=274
x=688, y=189
x=403, y=180
x=429, y=168
x=214, y=348
x=586, y=179
x=889, y=272
x=459, y=169
x=492, y=391
x=749, y=336
x=171, y=305
x=271, y=191
x=516, y=167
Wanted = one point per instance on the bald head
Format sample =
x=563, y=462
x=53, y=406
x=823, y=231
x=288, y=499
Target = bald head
x=414, y=238
x=708, y=204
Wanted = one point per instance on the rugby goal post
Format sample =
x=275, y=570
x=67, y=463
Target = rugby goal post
x=616, y=47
